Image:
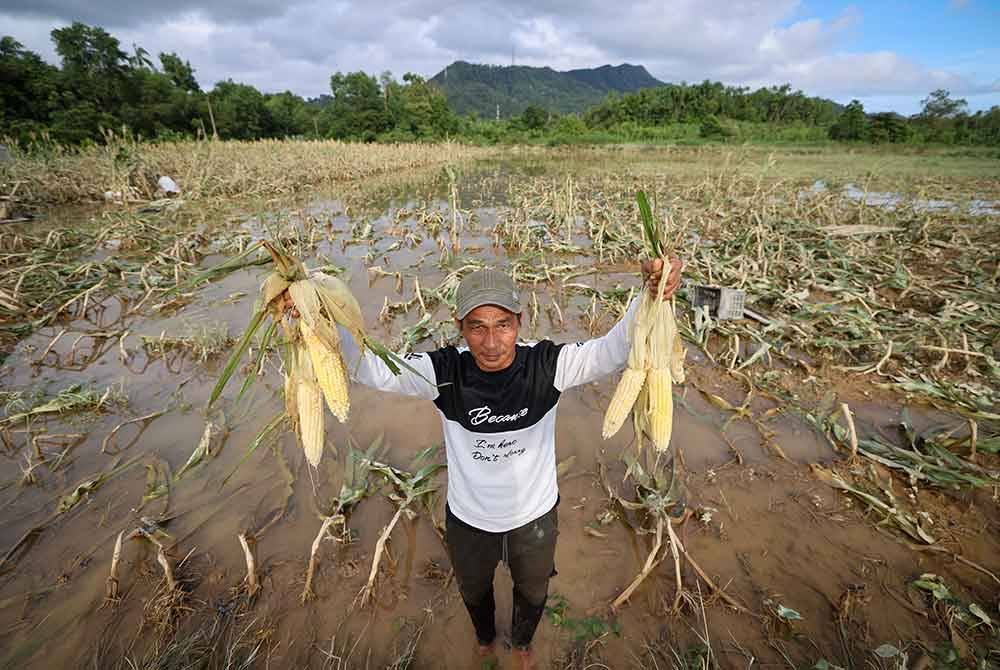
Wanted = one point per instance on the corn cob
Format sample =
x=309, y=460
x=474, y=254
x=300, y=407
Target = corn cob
x=328, y=368
x=340, y=304
x=633, y=377
x=623, y=400
x=309, y=399
x=661, y=408
x=292, y=385
x=306, y=300
x=656, y=357
x=677, y=360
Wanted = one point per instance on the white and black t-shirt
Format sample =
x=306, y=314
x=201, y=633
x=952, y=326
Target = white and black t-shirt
x=499, y=427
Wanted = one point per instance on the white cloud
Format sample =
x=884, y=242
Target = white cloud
x=540, y=42
x=297, y=45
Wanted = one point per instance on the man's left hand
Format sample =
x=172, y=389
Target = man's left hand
x=652, y=271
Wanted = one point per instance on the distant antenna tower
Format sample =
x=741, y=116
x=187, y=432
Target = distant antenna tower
x=498, y=111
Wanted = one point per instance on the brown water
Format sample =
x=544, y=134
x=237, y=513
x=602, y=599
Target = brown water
x=765, y=530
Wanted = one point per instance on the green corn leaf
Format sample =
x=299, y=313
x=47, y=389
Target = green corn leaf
x=234, y=359
x=652, y=233
x=264, y=342
x=223, y=268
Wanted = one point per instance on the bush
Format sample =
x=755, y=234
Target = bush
x=712, y=129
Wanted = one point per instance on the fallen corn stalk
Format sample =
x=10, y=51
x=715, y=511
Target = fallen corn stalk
x=407, y=490
x=908, y=523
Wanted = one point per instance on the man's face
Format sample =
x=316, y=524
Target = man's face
x=491, y=333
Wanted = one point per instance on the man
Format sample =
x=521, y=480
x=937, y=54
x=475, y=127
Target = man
x=497, y=400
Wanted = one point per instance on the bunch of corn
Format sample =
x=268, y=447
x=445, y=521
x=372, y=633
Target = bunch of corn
x=314, y=367
x=655, y=360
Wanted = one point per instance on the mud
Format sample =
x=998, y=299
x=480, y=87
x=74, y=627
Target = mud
x=763, y=529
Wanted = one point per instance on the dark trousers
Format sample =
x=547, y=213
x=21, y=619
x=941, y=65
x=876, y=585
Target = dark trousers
x=529, y=552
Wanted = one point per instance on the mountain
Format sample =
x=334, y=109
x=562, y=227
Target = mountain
x=471, y=87
x=624, y=78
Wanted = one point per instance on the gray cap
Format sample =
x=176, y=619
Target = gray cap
x=486, y=287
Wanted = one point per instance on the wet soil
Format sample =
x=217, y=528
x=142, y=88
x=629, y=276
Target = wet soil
x=763, y=529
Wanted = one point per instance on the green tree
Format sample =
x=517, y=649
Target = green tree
x=29, y=90
x=240, y=111
x=180, y=72
x=852, y=126
x=570, y=126
x=424, y=110
x=887, y=127
x=711, y=128
x=93, y=65
x=534, y=118
x=358, y=110
x=940, y=105
x=288, y=114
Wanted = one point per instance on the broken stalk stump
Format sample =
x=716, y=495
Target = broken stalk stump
x=251, y=579
x=307, y=592
x=112, y=597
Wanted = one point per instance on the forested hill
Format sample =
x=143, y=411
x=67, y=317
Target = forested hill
x=481, y=88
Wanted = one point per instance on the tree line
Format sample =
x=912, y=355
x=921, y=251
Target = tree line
x=99, y=86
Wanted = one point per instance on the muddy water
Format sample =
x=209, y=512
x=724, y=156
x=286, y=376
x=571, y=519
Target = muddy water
x=764, y=529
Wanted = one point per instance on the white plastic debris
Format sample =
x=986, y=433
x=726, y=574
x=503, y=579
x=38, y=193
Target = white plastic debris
x=168, y=186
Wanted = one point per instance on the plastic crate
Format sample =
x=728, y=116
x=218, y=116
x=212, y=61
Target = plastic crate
x=723, y=303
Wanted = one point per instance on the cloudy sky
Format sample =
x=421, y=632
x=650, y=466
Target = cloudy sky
x=888, y=53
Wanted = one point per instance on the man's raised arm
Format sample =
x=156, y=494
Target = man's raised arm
x=590, y=360
x=368, y=369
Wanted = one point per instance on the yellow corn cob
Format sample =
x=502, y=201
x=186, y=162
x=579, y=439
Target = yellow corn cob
x=309, y=400
x=661, y=408
x=640, y=417
x=328, y=368
x=661, y=335
x=637, y=337
x=623, y=400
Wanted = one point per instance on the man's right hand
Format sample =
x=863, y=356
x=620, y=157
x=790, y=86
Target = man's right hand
x=287, y=306
x=653, y=269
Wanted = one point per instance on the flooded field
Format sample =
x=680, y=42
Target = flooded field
x=806, y=547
